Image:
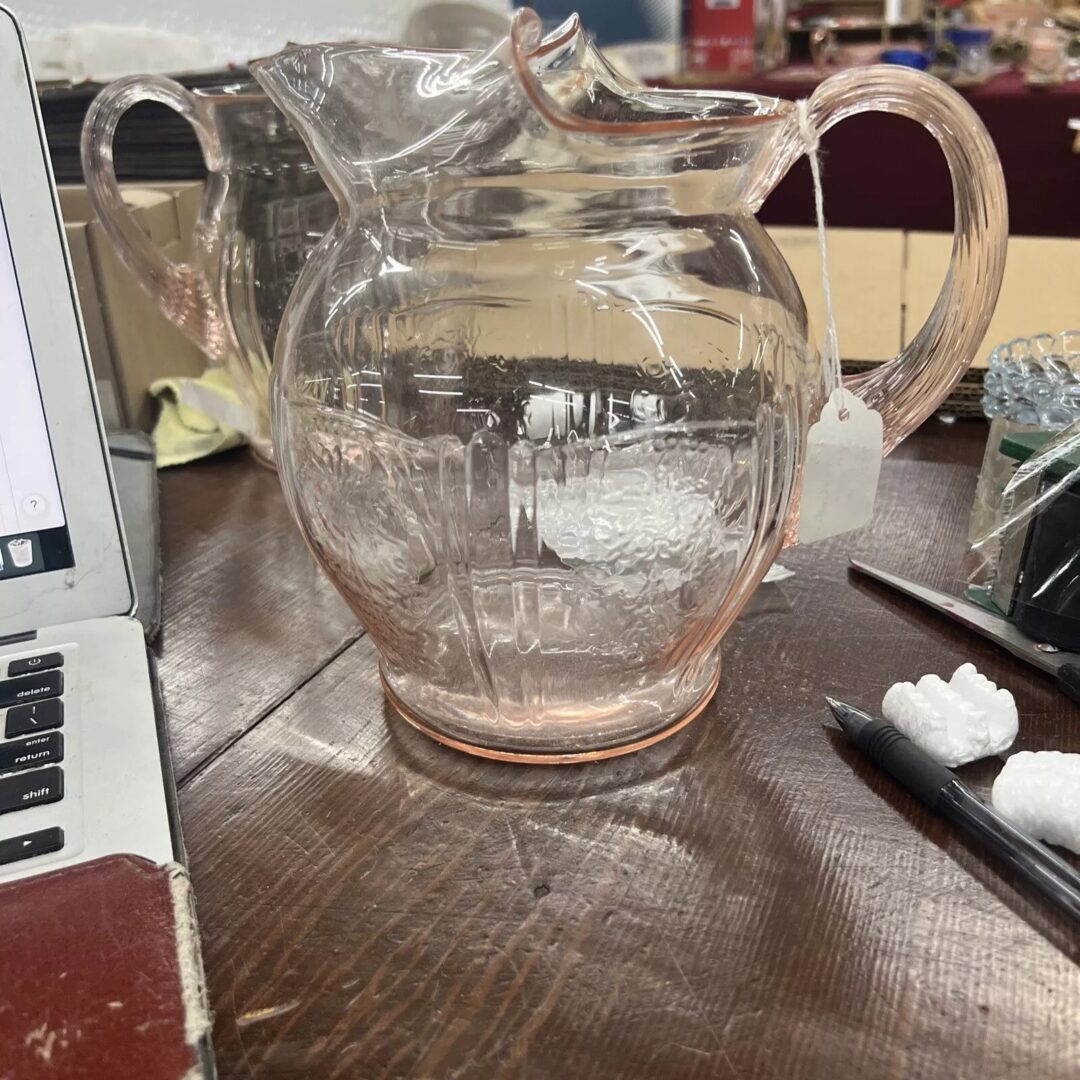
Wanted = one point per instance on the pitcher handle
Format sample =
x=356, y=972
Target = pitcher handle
x=180, y=289
x=908, y=388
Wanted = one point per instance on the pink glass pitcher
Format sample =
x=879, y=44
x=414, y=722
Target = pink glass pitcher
x=264, y=209
x=542, y=396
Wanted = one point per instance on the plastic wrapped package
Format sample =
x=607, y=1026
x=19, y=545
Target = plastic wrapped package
x=1024, y=534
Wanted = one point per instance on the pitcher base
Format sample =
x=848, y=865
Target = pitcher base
x=525, y=757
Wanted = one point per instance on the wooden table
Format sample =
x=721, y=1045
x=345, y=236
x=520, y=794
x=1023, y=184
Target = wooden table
x=747, y=899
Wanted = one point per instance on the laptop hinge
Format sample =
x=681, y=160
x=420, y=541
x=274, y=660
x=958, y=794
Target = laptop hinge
x=14, y=639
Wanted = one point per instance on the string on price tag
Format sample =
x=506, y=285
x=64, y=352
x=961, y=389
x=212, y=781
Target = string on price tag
x=843, y=448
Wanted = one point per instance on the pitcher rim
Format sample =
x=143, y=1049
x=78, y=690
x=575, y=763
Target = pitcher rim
x=525, y=21
x=218, y=96
x=525, y=29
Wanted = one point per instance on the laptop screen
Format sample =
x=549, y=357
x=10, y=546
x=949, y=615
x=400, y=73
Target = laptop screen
x=33, y=530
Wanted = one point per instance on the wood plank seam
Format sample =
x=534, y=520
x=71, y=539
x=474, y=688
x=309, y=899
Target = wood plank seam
x=183, y=779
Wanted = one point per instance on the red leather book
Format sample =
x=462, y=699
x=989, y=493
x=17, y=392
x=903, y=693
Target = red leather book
x=100, y=975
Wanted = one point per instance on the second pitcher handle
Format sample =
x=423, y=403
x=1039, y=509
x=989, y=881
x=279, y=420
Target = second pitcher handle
x=180, y=289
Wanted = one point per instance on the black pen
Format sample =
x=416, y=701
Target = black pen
x=947, y=795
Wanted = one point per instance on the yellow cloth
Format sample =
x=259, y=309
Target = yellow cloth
x=185, y=433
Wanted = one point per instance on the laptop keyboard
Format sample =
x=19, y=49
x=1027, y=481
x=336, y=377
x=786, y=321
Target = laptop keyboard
x=40, y=716
x=26, y=688
x=29, y=664
x=31, y=749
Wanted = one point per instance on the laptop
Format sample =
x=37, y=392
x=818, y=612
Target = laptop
x=100, y=953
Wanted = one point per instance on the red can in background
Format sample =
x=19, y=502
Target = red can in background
x=740, y=36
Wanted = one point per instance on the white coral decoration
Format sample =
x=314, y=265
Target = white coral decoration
x=957, y=721
x=1041, y=794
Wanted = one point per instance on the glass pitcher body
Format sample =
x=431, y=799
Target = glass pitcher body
x=542, y=397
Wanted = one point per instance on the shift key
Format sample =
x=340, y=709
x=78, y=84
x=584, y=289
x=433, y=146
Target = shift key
x=31, y=789
x=40, y=716
x=42, y=684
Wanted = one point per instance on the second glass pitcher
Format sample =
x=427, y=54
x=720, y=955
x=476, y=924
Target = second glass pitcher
x=264, y=209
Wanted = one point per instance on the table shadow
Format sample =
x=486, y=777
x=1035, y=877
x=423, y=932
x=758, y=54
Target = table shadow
x=506, y=782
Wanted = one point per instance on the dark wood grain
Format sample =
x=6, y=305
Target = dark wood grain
x=246, y=615
x=747, y=899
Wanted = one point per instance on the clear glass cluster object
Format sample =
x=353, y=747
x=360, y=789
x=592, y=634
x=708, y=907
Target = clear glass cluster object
x=1035, y=381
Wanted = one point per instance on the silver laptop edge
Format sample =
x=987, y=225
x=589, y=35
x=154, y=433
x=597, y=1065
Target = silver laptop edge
x=101, y=582
x=66, y=586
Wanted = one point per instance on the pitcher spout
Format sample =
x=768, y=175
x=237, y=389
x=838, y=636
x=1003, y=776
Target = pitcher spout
x=366, y=111
x=374, y=115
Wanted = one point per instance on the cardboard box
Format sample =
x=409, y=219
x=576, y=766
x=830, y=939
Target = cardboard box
x=97, y=338
x=131, y=343
x=866, y=267
x=188, y=196
x=1040, y=292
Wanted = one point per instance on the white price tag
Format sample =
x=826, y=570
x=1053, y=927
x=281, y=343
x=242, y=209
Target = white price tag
x=843, y=462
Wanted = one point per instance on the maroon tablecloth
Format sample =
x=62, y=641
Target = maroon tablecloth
x=886, y=172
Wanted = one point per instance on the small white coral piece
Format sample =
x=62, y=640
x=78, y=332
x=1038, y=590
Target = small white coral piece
x=1041, y=794
x=961, y=720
